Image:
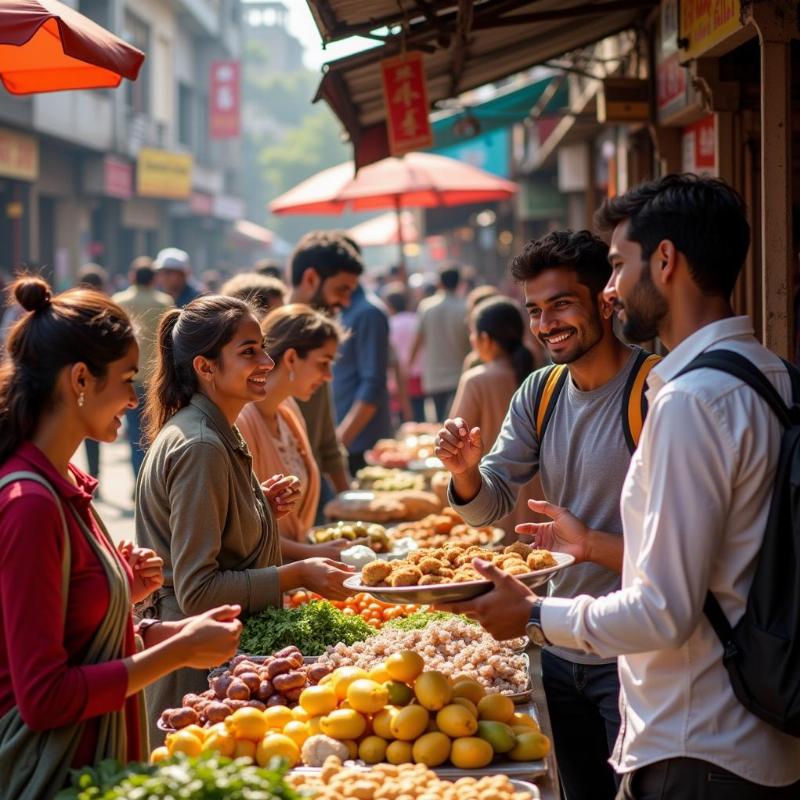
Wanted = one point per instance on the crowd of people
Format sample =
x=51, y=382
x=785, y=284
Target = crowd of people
x=247, y=408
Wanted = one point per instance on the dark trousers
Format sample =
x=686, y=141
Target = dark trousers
x=418, y=408
x=692, y=779
x=442, y=402
x=355, y=462
x=583, y=701
x=133, y=417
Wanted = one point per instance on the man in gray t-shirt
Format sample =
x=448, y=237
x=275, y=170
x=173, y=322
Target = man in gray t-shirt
x=582, y=459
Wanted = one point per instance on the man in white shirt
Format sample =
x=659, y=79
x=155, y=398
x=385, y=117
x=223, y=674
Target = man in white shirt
x=694, y=510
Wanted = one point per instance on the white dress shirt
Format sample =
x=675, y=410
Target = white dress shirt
x=694, y=510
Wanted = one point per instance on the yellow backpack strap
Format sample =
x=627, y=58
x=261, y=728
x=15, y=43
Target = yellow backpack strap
x=634, y=403
x=549, y=389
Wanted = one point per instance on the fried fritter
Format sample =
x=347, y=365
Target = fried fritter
x=375, y=572
x=540, y=559
x=405, y=576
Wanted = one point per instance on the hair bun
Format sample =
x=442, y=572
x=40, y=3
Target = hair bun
x=32, y=293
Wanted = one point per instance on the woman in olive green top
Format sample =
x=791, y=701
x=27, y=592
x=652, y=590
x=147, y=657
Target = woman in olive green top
x=198, y=504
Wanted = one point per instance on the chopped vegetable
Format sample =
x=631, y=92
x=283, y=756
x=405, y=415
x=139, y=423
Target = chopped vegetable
x=424, y=618
x=311, y=627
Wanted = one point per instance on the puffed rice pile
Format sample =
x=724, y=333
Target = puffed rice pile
x=453, y=647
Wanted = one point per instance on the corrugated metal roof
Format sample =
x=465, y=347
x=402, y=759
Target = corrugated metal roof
x=497, y=46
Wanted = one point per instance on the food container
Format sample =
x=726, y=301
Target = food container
x=452, y=592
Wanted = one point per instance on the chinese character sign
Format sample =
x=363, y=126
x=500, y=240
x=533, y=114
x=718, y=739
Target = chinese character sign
x=225, y=112
x=405, y=97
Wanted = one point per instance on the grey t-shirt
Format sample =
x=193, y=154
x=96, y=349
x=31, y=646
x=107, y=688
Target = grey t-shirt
x=582, y=463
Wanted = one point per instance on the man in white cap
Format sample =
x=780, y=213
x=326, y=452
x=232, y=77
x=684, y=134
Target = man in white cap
x=174, y=270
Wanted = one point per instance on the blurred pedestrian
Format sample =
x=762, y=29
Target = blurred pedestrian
x=174, y=275
x=402, y=329
x=477, y=296
x=270, y=268
x=144, y=304
x=263, y=293
x=443, y=331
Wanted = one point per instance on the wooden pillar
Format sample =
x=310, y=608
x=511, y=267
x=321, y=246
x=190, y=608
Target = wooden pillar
x=776, y=24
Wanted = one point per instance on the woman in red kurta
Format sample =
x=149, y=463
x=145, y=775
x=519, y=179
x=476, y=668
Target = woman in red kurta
x=66, y=596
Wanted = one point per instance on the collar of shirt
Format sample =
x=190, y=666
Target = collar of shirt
x=229, y=433
x=704, y=339
x=81, y=492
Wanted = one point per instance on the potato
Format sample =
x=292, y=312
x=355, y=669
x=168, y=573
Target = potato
x=287, y=651
x=293, y=695
x=316, y=672
x=233, y=705
x=208, y=694
x=277, y=700
x=296, y=660
x=217, y=712
x=244, y=666
x=220, y=685
x=190, y=700
x=289, y=680
x=256, y=704
x=251, y=679
x=265, y=690
x=238, y=690
x=278, y=667
x=181, y=717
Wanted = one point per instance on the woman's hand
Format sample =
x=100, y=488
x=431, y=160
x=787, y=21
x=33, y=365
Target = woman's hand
x=147, y=568
x=333, y=550
x=325, y=576
x=209, y=639
x=282, y=493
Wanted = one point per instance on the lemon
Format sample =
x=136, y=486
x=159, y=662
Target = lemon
x=433, y=690
x=249, y=723
x=245, y=749
x=277, y=745
x=297, y=731
x=496, y=707
x=158, y=755
x=301, y=715
x=470, y=752
x=455, y=720
x=409, y=723
x=352, y=747
x=372, y=750
x=404, y=666
x=223, y=742
x=400, y=694
x=196, y=730
x=379, y=674
x=318, y=700
x=530, y=747
x=381, y=722
x=499, y=735
x=524, y=719
x=400, y=753
x=277, y=717
x=468, y=704
x=184, y=742
x=431, y=749
x=343, y=677
x=470, y=689
x=367, y=696
x=315, y=725
x=344, y=723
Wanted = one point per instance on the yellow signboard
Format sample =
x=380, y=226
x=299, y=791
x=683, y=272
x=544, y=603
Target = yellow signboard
x=160, y=173
x=19, y=156
x=706, y=23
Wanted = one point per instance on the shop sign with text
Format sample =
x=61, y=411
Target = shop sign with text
x=699, y=147
x=117, y=178
x=19, y=156
x=405, y=97
x=226, y=100
x=160, y=173
x=706, y=23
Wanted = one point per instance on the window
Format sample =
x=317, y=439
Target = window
x=97, y=11
x=137, y=93
x=186, y=120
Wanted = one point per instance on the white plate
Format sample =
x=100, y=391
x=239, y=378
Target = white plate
x=452, y=592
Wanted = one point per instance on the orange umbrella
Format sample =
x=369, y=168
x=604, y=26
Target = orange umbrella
x=418, y=180
x=383, y=230
x=46, y=46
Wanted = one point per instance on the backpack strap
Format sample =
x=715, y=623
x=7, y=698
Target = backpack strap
x=794, y=377
x=553, y=382
x=634, y=403
x=747, y=372
x=66, y=561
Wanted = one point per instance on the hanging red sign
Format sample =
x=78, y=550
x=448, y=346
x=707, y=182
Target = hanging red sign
x=225, y=106
x=405, y=97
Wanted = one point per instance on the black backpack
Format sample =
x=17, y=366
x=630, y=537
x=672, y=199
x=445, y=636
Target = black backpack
x=762, y=652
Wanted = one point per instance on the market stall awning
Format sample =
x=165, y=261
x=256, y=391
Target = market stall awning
x=493, y=41
x=385, y=230
x=507, y=107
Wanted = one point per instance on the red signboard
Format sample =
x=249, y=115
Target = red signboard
x=117, y=178
x=226, y=96
x=405, y=96
x=671, y=83
x=201, y=204
x=699, y=147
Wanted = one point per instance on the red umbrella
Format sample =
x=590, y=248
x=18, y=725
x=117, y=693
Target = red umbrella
x=384, y=230
x=46, y=46
x=420, y=180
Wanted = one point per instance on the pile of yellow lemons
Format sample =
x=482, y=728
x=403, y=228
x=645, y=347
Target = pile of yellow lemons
x=396, y=713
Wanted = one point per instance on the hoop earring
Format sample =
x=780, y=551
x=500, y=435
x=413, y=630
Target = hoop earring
x=81, y=399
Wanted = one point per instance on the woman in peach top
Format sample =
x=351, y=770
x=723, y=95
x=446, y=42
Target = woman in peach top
x=302, y=342
x=484, y=392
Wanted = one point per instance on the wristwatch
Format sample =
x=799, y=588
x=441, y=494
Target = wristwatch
x=534, y=626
